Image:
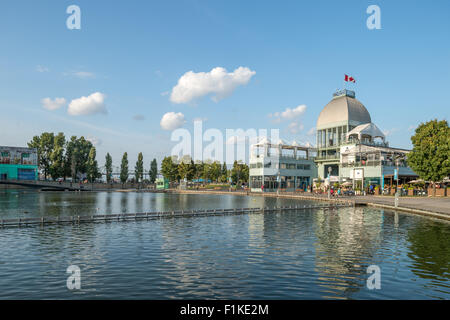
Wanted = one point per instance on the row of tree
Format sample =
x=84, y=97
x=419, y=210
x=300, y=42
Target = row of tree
x=138, y=169
x=61, y=158
x=186, y=169
x=76, y=158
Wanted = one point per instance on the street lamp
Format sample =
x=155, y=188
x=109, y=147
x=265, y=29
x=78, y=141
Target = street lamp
x=329, y=182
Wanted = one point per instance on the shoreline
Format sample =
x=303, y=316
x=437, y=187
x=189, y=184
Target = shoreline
x=369, y=201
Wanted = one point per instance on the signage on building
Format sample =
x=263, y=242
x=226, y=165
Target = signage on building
x=357, y=174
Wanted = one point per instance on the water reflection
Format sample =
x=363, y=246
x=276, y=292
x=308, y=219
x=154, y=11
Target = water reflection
x=346, y=242
x=308, y=254
x=430, y=250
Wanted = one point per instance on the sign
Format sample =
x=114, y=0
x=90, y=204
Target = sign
x=356, y=174
x=395, y=174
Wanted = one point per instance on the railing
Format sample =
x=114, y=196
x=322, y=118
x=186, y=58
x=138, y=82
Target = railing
x=76, y=220
x=335, y=157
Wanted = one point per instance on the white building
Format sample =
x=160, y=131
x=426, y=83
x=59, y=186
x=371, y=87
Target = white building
x=278, y=165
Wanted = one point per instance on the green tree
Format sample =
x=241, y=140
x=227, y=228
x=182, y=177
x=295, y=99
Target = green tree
x=430, y=156
x=124, y=168
x=215, y=171
x=92, y=170
x=224, y=173
x=183, y=169
x=191, y=171
x=153, y=171
x=77, y=156
x=44, y=145
x=108, y=167
x=139, y=168
x=199, y=168
x=169, y=169
x=239, y=172
x=57, y=156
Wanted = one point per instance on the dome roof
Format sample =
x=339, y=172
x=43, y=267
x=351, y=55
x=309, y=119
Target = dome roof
x=343, y=108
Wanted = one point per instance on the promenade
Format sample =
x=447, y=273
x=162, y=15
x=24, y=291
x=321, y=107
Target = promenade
x=437, y=207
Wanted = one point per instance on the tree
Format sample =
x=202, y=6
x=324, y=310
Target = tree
x=139, y=168
x=169, y=169
x=108, y=167
x=183, y=169
x=239, y=172
x=124, y=168
x=430, y=156
x=44, y=144
x=224, y=173
x=92, y=170
x=215, y=171
x=77, y=157
x=199, y=167
x=57, y=156
x=191, y=171
x=153, y=171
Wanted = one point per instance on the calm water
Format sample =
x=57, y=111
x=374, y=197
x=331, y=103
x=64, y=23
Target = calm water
x=316, y=254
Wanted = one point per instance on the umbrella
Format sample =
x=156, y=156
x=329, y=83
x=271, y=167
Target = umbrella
x=347, y=184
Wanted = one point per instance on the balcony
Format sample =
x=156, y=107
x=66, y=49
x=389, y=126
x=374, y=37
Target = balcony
x=328, y=157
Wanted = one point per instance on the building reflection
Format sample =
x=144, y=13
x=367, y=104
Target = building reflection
x=346, y=241
x=429, y=249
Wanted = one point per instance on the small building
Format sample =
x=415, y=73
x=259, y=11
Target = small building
x=162, y=183
x=18, y=163
x=278, y=165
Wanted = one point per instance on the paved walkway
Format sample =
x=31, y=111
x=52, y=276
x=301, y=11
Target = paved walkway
x=419, y=205
x=432, y=204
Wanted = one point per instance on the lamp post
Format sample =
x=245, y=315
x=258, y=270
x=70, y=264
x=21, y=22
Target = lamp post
x=329, y=182
x=396, y=193
x=278, y=180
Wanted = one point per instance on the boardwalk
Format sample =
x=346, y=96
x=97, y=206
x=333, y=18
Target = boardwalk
x=25, y=222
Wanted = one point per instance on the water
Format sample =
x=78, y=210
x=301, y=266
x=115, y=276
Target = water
x=315, y=254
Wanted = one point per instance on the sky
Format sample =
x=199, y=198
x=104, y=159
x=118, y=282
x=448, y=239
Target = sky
x=137, y=70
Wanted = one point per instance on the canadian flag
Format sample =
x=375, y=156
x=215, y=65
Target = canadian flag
x=350, y=79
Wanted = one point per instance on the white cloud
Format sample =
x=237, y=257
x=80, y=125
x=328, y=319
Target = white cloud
x=80, y=74
x=55, y=104
x=165, y=93
x=312, y=131
x=171, y=121
x=84, y=74
x=295, y=127
x=94, y=140
x=291, y=115
x=217, y=81
x=288, y=114
x=95, y=103
x=42, y=69
x=389, y=132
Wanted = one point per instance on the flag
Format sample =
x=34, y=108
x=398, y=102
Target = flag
x=350, y=79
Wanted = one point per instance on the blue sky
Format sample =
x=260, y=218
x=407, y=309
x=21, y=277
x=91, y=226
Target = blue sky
x=134, y=53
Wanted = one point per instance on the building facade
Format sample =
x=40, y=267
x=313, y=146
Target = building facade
x=18, y=163
x=278, y=165
x=350, y=149
x=353, y=149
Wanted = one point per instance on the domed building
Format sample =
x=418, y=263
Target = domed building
x=350, y=147
x=340, y=116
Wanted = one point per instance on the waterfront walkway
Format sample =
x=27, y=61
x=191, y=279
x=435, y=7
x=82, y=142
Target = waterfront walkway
x=437, y=207
x=431, y=204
